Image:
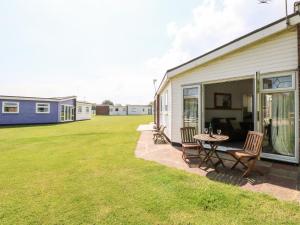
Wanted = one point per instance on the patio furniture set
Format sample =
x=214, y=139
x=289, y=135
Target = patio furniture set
x=194, y=146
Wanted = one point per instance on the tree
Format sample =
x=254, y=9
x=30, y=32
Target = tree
x=107, y=102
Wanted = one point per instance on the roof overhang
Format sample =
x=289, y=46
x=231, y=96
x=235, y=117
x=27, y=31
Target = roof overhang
x=18, y=98
x=256, y=35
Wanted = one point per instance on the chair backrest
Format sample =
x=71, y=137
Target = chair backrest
x=187, y=134
x=253, y=143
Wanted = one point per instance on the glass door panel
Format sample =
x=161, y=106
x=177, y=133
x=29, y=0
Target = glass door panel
x=278, y=123
x=191, y=107
x=190, y=112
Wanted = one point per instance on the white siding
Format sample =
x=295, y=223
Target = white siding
x=117, y=110
x=83, y=111
x=276, y=53
x=139, y=110
x=165, y=115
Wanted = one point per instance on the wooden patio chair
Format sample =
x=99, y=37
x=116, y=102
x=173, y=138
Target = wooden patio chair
x=159, y=136
x=189, y=144
x=250, y=152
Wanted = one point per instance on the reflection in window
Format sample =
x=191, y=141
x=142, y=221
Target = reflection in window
x=189, y=92
x=277, y=82
x=279, y=123
x=10, y=107
x=190, y=107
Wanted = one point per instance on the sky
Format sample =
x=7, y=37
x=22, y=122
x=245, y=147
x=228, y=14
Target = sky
x=113, y=49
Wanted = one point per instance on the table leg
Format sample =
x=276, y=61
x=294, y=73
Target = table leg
x=214, y=150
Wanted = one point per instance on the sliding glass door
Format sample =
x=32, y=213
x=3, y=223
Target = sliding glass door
x=67, y=113
x=278, y=117
x=191, y=106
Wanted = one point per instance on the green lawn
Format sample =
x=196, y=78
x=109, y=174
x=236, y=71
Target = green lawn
x=86, y=173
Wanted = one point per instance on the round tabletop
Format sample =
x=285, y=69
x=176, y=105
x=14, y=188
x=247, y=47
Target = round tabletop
x=214, y=138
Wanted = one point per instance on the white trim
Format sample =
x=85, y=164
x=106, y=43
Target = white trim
x=44, y=103
x=72, y=108
x=276, y=27
x=277, y=74
x=295, y=90
x=199, y=104
x=244, y=41
x=18, y=107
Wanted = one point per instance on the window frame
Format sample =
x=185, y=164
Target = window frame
x=18, y=107
x=273, y=75
x=79, y=109
x=166, y=102
x=36, y=107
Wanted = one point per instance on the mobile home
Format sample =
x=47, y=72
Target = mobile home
x=117, y=110
x=83, y=110
x=139, y=110
x=250, y=83
x=34, y=110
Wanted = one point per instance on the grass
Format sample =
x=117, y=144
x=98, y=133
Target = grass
x=86, y=173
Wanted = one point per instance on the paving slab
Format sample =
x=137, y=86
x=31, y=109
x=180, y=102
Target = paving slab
x=279, y=180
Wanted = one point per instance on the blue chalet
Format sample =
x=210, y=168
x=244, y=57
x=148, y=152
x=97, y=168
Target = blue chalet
x=32, y=110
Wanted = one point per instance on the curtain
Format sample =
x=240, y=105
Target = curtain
x=190, y=114
x=283, y=123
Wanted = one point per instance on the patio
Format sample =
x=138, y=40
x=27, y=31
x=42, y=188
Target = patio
x=279, y=180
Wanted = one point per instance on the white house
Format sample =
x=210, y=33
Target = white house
x=139, y=110
x=83, y=110
x=117, y=110
x=250, y=83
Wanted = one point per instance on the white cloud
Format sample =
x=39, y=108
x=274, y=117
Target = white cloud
x=214, y=23
x=93, y=48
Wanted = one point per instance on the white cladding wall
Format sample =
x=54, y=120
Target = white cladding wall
x=166, y=109
x=117, y=110
x=273, y=54
x=139, y=110
x=83, y=111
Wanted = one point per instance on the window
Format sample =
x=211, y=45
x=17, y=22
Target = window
x=191, y=107
x=87, y=109
x=117, y=109
x=161, y=103
x=67, y=113
x=277, y=82
x=10, y=107
x=79, y=109
x=166, y=101
x=42, y=108
x=124, y=109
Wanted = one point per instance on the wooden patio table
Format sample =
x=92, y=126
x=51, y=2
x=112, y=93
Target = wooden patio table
x=214, y=142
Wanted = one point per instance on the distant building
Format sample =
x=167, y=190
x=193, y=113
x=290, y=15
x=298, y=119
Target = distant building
x=117, y=110
x=139, y=110
x=83, y=110
x=102, y=110
x=35, y=110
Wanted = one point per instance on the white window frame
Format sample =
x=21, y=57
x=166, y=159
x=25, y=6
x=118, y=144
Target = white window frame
x=3, y=106
x=295, y=89
x=87, y=109
x=42, y=103
x=79, y=111
x=262, y=77
x=166, y=106
x=199, y=87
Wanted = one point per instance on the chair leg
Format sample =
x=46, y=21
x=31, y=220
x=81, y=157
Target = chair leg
x=251, y=165
x=236, y=163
